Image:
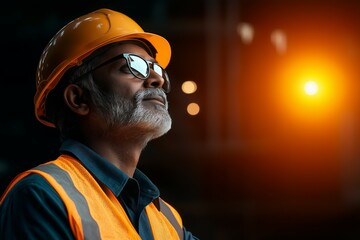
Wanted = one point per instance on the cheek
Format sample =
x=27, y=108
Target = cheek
x=117, y=82
x=124, y=89
x=126, y=86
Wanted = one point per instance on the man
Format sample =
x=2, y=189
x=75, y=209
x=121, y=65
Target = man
x=101, y=82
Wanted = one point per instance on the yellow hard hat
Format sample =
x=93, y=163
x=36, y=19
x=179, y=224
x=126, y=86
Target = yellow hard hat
x=78, y=39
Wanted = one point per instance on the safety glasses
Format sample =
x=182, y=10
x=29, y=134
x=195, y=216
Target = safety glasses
x=141, y=68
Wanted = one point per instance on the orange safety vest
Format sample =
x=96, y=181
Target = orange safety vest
x=93, y=210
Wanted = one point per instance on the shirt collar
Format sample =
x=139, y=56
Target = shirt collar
x=105, y=172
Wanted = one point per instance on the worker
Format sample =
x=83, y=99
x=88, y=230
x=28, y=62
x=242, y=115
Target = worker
x=101, y=82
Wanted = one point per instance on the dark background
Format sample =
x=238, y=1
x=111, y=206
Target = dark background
x=259, y=161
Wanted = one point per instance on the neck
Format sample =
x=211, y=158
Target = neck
x=122, y=149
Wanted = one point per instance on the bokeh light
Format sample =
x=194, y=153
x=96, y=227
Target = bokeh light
x=246, y=32
x=189, y=87
x=193, y=109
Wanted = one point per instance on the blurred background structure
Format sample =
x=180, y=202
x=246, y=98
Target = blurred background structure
x=265, y=103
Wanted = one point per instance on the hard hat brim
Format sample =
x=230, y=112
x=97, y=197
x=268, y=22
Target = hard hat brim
x=160, y=44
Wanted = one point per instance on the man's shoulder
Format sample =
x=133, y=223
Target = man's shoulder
x=32, y=209
x=31, y=185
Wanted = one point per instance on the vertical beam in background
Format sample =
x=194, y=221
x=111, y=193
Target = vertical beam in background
x=159, y=14
x=218, y=97
x=350, y=158
x=232, y=69
x=214, y=101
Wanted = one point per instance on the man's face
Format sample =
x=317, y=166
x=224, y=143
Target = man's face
x=123, y=100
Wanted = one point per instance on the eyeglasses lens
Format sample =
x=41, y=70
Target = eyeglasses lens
x=139, y=66
x=158, y=69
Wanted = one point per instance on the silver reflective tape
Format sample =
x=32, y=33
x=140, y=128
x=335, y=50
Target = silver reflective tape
x=90, y=227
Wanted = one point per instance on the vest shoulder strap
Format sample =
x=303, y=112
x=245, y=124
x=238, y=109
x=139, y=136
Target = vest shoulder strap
x=166, y=210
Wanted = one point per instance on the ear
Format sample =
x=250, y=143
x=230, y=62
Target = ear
x=75, y=99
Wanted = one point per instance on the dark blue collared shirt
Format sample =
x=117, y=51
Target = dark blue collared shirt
x=34, y=210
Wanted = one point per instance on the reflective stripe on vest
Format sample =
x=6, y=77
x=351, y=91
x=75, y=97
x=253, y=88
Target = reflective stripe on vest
x=90, y=228
x=94, y=212
x=166, y=210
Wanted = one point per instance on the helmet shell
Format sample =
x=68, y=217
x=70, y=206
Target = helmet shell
x=78, y=39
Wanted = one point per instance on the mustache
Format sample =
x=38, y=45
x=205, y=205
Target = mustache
x=150, y=93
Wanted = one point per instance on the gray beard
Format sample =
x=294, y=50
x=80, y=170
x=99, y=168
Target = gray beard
x=117, y=110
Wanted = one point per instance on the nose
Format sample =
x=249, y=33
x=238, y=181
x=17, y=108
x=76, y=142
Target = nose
x=154, y=80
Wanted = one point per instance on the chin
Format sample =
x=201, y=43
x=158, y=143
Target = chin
x=162, y=130
x=157, y=126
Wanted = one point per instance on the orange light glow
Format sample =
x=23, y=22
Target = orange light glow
x=310, y=88
x=320, y=78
